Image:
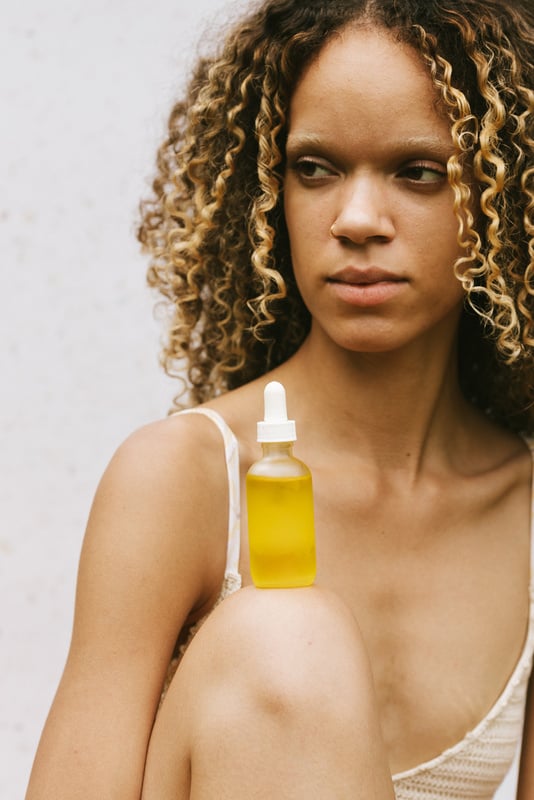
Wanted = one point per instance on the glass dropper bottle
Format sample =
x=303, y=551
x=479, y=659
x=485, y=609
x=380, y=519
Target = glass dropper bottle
x=280, y=503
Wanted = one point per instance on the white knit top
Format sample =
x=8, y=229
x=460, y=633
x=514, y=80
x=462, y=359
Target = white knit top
x=476, y=765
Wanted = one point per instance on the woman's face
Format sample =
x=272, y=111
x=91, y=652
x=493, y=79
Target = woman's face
x=368, y=205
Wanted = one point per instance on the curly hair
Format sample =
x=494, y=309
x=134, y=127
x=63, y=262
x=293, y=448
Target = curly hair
x=215, y=226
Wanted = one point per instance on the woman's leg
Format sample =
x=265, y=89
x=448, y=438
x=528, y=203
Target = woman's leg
x=273, y=701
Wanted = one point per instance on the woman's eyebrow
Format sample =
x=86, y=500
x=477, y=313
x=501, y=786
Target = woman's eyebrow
x=304, y=140
x=435, y=144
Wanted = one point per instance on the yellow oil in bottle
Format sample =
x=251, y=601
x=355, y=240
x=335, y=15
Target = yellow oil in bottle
x=281, y=531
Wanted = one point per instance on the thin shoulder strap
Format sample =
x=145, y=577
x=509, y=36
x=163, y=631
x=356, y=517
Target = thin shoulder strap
x=530, y=443
x=231, y=454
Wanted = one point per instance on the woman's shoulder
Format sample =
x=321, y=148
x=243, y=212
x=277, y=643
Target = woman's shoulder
x=171, y=464
x=494, y=444
x=169, y=478
x=169, y=441
x=185, y=447
x=499, y=462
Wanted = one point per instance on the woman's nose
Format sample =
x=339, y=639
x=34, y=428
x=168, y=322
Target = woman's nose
x=363, y=212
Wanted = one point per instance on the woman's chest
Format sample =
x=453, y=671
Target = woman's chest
x=440, y=591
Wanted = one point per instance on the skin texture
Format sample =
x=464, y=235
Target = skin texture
x=422, y=508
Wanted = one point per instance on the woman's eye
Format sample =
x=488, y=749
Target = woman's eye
x=310, y=169
x=423, y=173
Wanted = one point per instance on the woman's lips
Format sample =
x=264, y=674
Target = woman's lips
x=360, y=276
x=366, y=287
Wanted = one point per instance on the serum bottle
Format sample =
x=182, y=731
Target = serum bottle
x=280, y=503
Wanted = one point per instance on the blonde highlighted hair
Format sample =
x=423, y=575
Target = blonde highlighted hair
x=214, y=225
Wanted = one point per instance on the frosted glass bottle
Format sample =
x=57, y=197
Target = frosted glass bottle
x=279, y=490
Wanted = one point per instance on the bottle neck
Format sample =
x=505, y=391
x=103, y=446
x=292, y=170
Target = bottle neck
x=277, y=448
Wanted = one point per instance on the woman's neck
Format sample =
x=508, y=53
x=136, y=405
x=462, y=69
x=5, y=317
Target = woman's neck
x=401, y=410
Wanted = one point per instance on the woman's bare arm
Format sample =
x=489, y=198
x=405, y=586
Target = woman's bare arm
x=160, y=507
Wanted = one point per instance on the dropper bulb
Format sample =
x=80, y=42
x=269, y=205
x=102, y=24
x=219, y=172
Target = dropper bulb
x=274, y=399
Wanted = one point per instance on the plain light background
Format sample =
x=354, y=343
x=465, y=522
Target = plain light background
x=85, y=89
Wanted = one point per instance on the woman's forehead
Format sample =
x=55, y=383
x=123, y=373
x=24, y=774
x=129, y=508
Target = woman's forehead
x=366, y=77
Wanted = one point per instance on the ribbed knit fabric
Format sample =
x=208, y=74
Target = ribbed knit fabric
x=474, y=767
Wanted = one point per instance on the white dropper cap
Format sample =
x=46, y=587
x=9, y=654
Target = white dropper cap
x=275, y=426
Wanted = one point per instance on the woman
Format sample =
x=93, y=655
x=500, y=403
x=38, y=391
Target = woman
x=344, y=203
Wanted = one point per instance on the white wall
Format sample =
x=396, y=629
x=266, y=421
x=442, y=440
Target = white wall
x=85, y=89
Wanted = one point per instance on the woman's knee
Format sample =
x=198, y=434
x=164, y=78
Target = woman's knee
x=281, y=677
x=284, y=651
